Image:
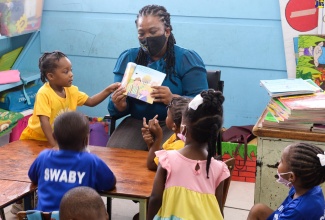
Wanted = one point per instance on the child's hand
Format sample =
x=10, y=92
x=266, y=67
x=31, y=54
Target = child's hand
x=147, y=136
x=114, y=86
x=154, y=127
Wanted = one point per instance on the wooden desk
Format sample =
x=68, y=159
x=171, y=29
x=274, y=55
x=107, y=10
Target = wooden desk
x=134, y=180
x=16, y=158
x=13, y=191
x=270, y=143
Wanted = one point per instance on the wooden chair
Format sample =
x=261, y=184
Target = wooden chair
x=215, y=82
x=231, y=165
x=22, y=215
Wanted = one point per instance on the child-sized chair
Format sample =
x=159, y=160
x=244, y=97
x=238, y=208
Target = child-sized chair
x=37, y=215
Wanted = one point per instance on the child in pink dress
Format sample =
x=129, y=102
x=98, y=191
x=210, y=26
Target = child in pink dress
x=152, y=133
x=189, y=182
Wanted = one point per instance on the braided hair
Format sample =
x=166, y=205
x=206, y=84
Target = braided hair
x=48, y=63
x=206, y=121
x=303, y=161
x=164, y=16
x=176, y=107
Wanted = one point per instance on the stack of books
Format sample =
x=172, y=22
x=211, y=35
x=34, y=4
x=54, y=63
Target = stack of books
x=301, y=111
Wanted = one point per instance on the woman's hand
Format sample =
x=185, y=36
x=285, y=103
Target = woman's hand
x=119, y=99
x=161, y=94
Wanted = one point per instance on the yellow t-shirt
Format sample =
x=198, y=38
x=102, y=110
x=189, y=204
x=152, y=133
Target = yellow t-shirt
x=171, y=144
x=49, y=104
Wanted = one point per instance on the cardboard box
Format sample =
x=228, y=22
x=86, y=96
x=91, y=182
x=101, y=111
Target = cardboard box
x=20, y=16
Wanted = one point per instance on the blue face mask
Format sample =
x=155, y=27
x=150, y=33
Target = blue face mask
x=282, y=180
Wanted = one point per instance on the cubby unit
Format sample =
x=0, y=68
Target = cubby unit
x=10, y=43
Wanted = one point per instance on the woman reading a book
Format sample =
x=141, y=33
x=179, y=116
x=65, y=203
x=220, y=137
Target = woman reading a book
x=185, y=76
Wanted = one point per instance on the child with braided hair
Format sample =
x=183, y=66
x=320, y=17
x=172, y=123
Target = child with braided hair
x=57, y=95
x=189, y=182
x=152, y=132
x=302, y=169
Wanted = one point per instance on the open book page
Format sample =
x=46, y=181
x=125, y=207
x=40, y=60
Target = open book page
x=138, y=81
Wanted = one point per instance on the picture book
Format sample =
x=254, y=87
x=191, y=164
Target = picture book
x=277, y=110
x=267, y=120
x=311, y=58
x=305, y=102
x=8, y=120
x=138, y=80
x=286, y=87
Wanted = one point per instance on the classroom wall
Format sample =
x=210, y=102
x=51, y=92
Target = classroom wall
x=241, y=38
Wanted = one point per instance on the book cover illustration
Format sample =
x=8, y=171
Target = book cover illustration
x=311, y=58
x=138, y=80
x=8, y=120
x=305, y=102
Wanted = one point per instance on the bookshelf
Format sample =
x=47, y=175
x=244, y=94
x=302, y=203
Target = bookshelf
x=26, y=75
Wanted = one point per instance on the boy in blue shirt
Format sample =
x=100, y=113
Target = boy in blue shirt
x=57, y=171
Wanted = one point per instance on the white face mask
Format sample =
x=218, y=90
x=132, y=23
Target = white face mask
x=282, y=180
x=181, y=135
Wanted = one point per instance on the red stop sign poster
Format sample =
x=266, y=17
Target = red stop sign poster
x=301, y=15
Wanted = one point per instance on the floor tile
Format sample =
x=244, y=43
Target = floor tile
x=240, y=195
x=235, y=214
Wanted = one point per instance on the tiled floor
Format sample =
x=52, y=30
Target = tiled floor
x=240, y=199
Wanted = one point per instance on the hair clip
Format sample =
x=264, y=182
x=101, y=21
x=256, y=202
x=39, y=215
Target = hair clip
x=198, y=100
x=321, y=159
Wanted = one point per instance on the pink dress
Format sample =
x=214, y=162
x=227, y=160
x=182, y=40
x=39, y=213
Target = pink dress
x=188, y=193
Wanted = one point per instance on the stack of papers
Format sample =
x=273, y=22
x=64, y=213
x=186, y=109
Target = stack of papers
x=287, y=87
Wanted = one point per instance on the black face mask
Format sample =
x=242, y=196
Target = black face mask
x=153, y=45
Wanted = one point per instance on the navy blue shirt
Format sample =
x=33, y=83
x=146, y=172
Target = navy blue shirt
x=56, y=172
x=190, y=77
